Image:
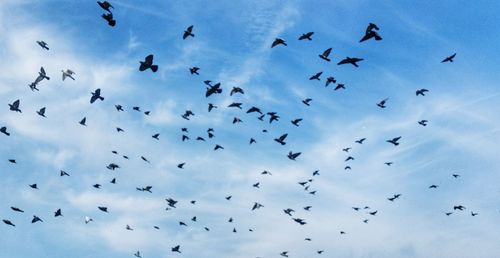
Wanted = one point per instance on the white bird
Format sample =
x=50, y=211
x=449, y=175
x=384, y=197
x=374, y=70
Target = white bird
x=67, y=73
x=88, y=219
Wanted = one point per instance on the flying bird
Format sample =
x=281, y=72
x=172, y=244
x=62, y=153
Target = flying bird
x=316, y=76
x=325, y=55
x=8, y=222
x=421, y=92
x=423, y=122
x=194, y=70
x=281, y=139
x=16, y=209
x=176, y=249
x=449, y=58
x=278, y=41
x=257, y=205
x=68, y=73
x=119, y=108
x=41, y=112
x=360, y=141
x=213, y=89
x=82, y=122
x=58, y=213
x=43, y=44
x=381, y=104
x=254, y=109
x=103, y=209
x=96, y=95
x=307, y=101
x=394, y=141
x=148, y=64
x=371, y=33
x=340, y=86
x=109, y=18
x=42, y=74
x=296, y=121
x=350, y=60
x=235, y=104
x=188, y=32
x=292, y=155
x=156, y=136
x=15, y=106
x=330, y=80
x=306, y=36
x=36, y=219
x=236, y=90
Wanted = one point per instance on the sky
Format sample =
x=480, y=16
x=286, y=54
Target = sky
x=232, y=45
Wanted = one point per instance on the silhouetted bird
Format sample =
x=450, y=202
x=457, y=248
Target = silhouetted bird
x=156, y=136
x=176, y=249
x=236, y=90
x=235, y=104
x=119, y=107
x=41, y=112
x=213, y=89
x=340, y=86
x=144, y=158
x=473, y=213
x=96, y=95
x=330, y=80
x=360, y=141
x=394, y=141
x=455, y=175
x=137, y=254
x=388, y=163
x=43, y=44
x=109, y=18
x=211, y=106
x=292, y=155
x=15, y=106
x=423, y=122
x=325, y=55
x=188, y=32
x=217, y=146
x=281, y=139
x=421, y=92
x=307, y=101
x=381, y=104
x=254, y=109
x=68, y=73
x=306, y=36
x=316, y=76
x=8, y=222
x=346, y=149
x=350, y=60
x=181, y=165
x=148, y=64
x=459, y=207
x=252, y=140
x=194, y=70
x=300, y=221
x=284, y=254
x=449, y=58
x=82, y=122
x=370, y=33
x=36, y=219
x=104, y=209
x=296, y=121
x=42, y=74
x=278, y=41
x=433, y=186
x=58, y=213
x=257, y=206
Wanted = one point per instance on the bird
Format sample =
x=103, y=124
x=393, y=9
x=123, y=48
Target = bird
x=118, y=129
x=349, y=158
x=88, y=219
x=421, y=92
x=113, y=181
x=347, y=167
x=3, y=130
x=350, y=60
x=300, y=221
x=252, y=140
x=254, y=109
x=148, y=63
x=373, y=213
x=105, y=5
x=381, y=104
x=316, y=76
x=306, y=35
x=228, y=197
x=41, y=112
x=213, y=90
x=346, y=149
x=307, y=101
x=42, y=74
x=307, y=208
x=96, y=95
x=103, y=209
x=448, y=213
x=370, y=33
x=293, y=156
x=296, y=121
x=325, y=55
x=57, y=213
x=459, y=207
x=82, y=122
x=43, y=44
x=388, y=163
x=34, y=186
x=217, y=146
x=97, y=186
x=284, y=254
x=235, y=104
x=181, y=165
x=433, y=186
x=360, y=141
x=33, y=86
x=156, y=136
x=257, y=205
x=236, y=120
x=316, y=173
x=473, y=213
x=236, y=90
x=68, y=73
x=449, y=58
x=194, y=70
x=340, y=86
x=138, y=109
x=423, y=122
x=456, y=175
x=176, y=249
x=15, y=106
x=112, y=166
x=109, y=18
x=8, y=222
x=36, y=219
x=278, y=41
x=281, y=139
x=330, y=80
x=119, y=108
x=144, y=158
x=256, y=185
x=137, y=254
x=147, y=113
x=394, y=141
x=211, y=106
x=188, y=32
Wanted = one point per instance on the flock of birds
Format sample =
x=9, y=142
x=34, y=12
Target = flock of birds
x=215, y=88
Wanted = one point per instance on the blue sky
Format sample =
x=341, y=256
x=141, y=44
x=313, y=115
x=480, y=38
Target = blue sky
x=232, y=46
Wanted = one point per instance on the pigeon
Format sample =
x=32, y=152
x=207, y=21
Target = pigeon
x=421, y=92
x=388, y=163
x=97, y=186
x=176, y=249
x=300, y=221
x=211, y=106
x=340, y=86
x=473, y=213
x=254, y=109
x=188, y=32
x=42, y=74
x=423, y=122
x=316, y=76
x=346, y=149
x=433, y=186
x=288, y=211
x=316, y=173
x=113, y=181
x=235, y=104
x=36, y=219
x=118, y=129
x=112, y=166
x=34, y=186
x=82, y=122
x=449, y=58
x=325, y=55
x=296, y=121
x=15, y=106
x=181, y=165
x=217, y=146
x=138, y=109
x=257, y=206
x=360, y=141
x=370, y=33
x=350, y=60
x=137, y=254
x=109, y=18
x=213, y=90
x=8, y=222
x=252, y=140
x=394, y=141
x=330, y=80
x=119, y=108
x=284, y=254
x=33, y=86
x=96, y=95
x=156, y=136
x=456, y=175
x=194, y=70
x=281, y=139
x=459, y=207
x=16, y=209
x=41, y=112
x=12, y=161
x=148, y=63
x=229, y=197
x=105, y=5
x=373, y=213
x=144, y=158
x=103, y=209
x=88, y=219
x=293, y=156
x=63, y=173
x=171, y=202
x=349, y=158
x=43, y=44
x=57, y=213
x=236, y=90
x=381, y=104
x=68, y=73
x=306, y=36
x=278, y=41
x=306, y=101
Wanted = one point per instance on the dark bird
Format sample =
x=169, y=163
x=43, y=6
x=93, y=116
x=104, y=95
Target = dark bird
x=156, y=136
x=373, y=213
x=459, y=207
x=236, y=120
x=137, y=254
x=265, y=172
x=455, y=175
x=42, y=74
x=330, y=80
x=228, y=197
x=3, y=130
x=300, y=221
x=34, y=186
x=288, y=211
x=187, y=114
x=254, y=109
x=138, y=109
x=360, y=141
x=194, y=70
x=306, y=36
x=118, y=129
x=316, y=173
x=181, y=165
x=350, y=60
x=394, y=141
x=113, y=181
x=296, y=121
x=105, y=5
x=292, y=155
x=423, y=122
x=281, y=139
x=308, y=208
x=104, y=209
x=278, y=41
x=284, y=254
x=381, y=104
x=421, y=92
x=147, y=113
x=257, y=205
x=349, y=158
x=433, y=186
x=213, y=89
x=15, y=106
x=98, y=186
x=388, y=163
x=256, y=185
x=235, y=104
x=36, y=219
x=448, y=213
x=307, y=101
x=188, y=32
x=82, y=122
x=96, y=95
x=473, y=213
x=347, y=167
x=16, y=209
x=316, y=76
x=67, y=74
x=346, y=149
x=112, y=166
x=236, y=90
x=325, y=55
x=217, y=146
x=58, y=213
x=211, y=106
x=370, y=33
x=200, y=138
x=41, y=112
x=171, y=202
x=176, y=249
x=109, y=18
x=8, y=222
x=146, y=160
x=182, y=224
x=340, y=86
x=148, y=64
x=33, y=86
x=449, y=58
x=252, y=140
x=43, y=44
x=119, y=107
